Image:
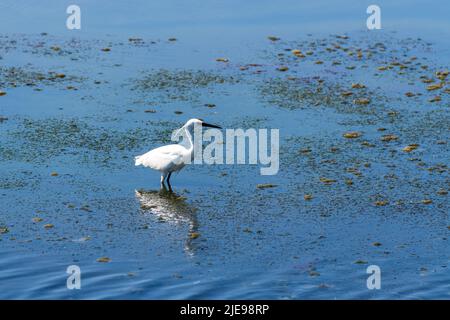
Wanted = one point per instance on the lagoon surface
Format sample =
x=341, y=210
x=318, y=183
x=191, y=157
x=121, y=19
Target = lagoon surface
x=364, y=130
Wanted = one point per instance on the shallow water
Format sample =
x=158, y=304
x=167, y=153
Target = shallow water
x=86, y=127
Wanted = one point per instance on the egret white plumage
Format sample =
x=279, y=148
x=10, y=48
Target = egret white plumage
x=173, y=157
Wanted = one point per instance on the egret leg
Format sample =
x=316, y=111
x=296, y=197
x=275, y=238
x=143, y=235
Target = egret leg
x=163, y=189
x=168, y=181
x=163, y=177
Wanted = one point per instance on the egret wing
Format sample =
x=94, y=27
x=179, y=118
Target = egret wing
x=162, y=158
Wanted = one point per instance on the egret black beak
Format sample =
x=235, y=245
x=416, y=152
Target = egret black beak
x=204, y=124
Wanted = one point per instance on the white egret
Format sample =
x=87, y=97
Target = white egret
x=173, y=157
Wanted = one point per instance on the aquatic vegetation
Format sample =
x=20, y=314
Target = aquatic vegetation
x=435, y=99
x=35, y=140
x=433, y=87
x=265, y=185
x=352, y=135
x=273, y=38
x=308, y=197
x=4, y=230
x=410, y=147
x=20, y=76
x=222, y=60
x=104, y=260
x=304, y=93
x=361, y=101
x=194, y=235
x=327, y=180
x=389, y=137
x=298, y=53
x=180, y=85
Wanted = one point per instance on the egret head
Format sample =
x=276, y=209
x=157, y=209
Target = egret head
x=192, y=122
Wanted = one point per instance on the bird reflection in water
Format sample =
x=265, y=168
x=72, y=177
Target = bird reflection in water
x=171, y=208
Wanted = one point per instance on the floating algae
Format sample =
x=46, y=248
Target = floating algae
x=305, y=93
x=352, y=135
x=36, y=140
x=222, y=60
x=179, y=85
x=20, y=76
x=389, y=137
x=410, y=147
x=307, y=197
x=273, y=38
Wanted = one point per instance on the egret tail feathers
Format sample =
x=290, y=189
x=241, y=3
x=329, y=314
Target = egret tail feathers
x=138, y=160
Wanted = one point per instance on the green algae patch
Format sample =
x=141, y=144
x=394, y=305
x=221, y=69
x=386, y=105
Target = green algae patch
x=27, y=76
x=36, y=140
x=179, y=85
x=306, y=93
